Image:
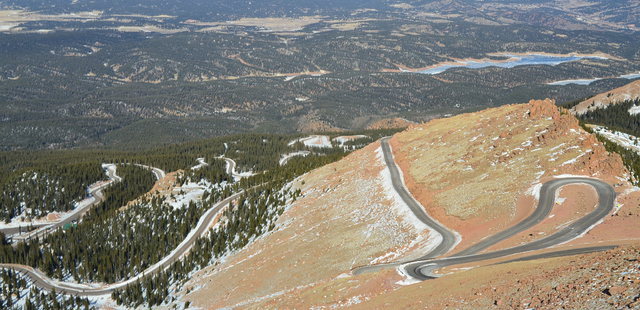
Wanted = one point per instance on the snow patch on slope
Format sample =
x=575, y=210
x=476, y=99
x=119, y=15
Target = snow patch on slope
x=625, y=140
x=285, y=158
x=427, y=239
x=314, y=141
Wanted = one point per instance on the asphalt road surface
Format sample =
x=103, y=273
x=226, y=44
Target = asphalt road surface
x=448, y=237
x=422, y=268
x=95, y=197
x=23, y=228
x=157, y=172
x=44, y=282
x=545, y=204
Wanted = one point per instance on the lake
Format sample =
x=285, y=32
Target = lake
x=513, y=61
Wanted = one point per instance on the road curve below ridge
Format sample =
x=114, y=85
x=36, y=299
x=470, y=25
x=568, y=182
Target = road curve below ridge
x=44, y=282
x=231, y=168
x=449, y=239
x=422, y=269
x=94, y=198
x=545, y=205
x=157, y=172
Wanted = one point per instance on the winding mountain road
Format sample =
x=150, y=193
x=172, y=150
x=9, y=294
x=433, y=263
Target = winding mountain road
x=95, y=197
x=44, y=282
x=157, y=172
x=231, y=169
x=422, y=268
x=545, y=205
x=449, y=239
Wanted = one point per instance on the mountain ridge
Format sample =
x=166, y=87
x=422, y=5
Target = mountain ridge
x=444, y=187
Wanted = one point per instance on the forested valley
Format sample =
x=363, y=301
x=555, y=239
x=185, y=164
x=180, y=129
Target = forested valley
x=135, y=227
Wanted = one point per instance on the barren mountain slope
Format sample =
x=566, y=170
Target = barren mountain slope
x=630, y=91
x=606, y=280
x=345, y=219
x=477, y=174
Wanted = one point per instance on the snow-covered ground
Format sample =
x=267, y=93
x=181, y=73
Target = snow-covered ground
x=426, y=242
x=344, y=139
x=231, y=169
x=7, y=26
x=634, y=110
x=577, y=82
x=201, y=163
x=105, y=299
x=314, y=141
x=631, y=76
x=19, y=300
x=191, y=191
x=56, y=217
x=110, y=169
x=625, y=140
x=245, y=174
x=286, y=157
x=20, y=221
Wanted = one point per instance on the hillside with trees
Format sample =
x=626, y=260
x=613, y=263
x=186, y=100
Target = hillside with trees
x=615, y=117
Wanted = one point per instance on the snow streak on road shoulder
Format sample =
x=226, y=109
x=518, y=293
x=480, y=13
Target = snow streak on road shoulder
x=428, y=239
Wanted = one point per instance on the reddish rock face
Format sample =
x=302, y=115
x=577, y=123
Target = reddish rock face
x=543, y=108
x=598, y=160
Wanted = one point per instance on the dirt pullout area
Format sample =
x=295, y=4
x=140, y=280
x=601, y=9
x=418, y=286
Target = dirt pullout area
x=605, y=280
x=628, y=92
x=478, y=173
x=345, y=219
x=386, y=123
x=162, y=187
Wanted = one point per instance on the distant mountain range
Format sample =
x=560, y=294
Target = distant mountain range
x=564, y=14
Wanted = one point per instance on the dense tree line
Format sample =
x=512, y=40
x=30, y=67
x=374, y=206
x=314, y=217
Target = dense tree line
x=47, y=181
x=214, y=172
x=84, y=251
x=615, y=117
x=572, y=103
x=100, y=109
x=39, y=191
x=112, y=243
x=253, y=214
x=630, y=158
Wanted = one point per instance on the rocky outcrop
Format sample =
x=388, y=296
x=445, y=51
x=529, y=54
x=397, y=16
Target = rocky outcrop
x=596, y=160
